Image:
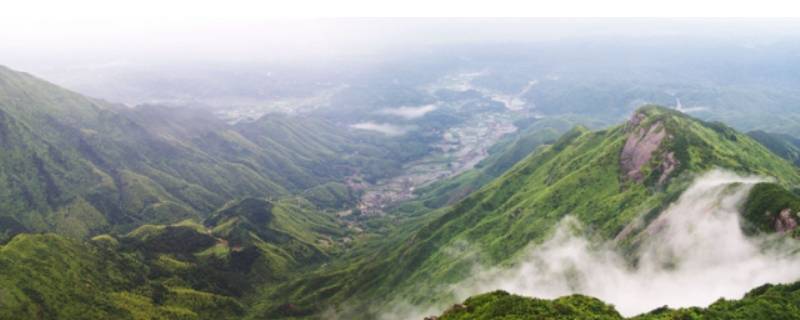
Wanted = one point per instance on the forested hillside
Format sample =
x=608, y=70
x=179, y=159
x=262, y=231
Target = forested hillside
x=80, y=167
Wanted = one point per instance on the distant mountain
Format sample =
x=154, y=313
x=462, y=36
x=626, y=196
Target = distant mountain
x=784, y=145
x=79, y=166
x=614, y=181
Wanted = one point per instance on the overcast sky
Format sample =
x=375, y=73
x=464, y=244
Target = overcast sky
x=39, y=33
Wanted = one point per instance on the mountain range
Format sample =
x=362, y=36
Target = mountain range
x=79, y=166
x=154, y=212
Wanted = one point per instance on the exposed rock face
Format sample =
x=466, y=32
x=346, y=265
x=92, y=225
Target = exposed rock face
x=784, y=221
x=639, y=148
x=668, y=165
x=635, y=120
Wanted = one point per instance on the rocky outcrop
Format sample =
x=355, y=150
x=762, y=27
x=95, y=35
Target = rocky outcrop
x=668, y=165
x=784, y=221
x=635, y=120
x=643, y=141
x=639, y=148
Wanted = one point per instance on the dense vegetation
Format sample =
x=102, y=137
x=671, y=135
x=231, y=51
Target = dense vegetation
x=783, y=145
x=181, y=271
x=764, y=205
x=52, y=277
x=765, y=302
x=502, y=305
x=80, y=167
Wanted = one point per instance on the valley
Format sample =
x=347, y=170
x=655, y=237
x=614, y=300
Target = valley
x=251, y=110
x=455, y=149
x=487, y=116
x=460, y=149
x=548, y=171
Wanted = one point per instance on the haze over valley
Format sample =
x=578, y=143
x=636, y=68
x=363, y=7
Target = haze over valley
x=403, y=168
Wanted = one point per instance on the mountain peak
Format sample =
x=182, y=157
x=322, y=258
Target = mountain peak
x=649, y=113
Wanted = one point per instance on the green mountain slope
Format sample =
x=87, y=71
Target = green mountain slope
x=52, y=277
x=784, y=145
x=186, y=270
x=610, y=180
x=502, y=305
x=79, y=166
x=766, y=302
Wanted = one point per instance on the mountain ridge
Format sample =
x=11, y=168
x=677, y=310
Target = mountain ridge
x=82, y=167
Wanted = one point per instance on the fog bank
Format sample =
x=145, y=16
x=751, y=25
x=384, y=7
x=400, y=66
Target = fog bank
x=694, y=253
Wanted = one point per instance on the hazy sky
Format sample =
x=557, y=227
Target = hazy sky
x=177, y=10
x=42, y=35
x=103, y=40
x=34, y=29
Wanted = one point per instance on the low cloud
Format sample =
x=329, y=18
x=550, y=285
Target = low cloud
x=385, y=128
x=692, y=255
x=409, y=113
